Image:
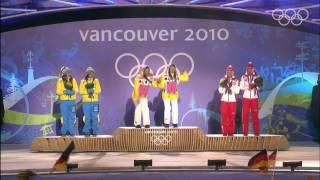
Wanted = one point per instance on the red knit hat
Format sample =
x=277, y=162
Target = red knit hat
x=229, y=68
x=250, y=65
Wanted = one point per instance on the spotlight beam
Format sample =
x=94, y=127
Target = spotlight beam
x=18, y=10
x=235, y=3
x=66, y=3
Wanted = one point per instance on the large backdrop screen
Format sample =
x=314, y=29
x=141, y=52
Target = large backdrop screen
x=31, y=58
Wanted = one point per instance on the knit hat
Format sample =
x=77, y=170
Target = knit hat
x=64, y=69
x=250, y=65
x=229, y=68
x=89, y=69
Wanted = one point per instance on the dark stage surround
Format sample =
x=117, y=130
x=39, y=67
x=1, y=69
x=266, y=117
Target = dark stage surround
x=144, y=11
x=114, y=40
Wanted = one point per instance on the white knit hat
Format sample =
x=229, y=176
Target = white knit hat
x=64, y=69
x=89, y=69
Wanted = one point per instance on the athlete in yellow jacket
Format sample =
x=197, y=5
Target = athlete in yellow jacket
x=90, y=90
x=170, y=95
x=67, y=89
x=142, y=82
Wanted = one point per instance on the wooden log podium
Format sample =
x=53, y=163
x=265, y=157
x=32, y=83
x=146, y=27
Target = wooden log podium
x=158, y=139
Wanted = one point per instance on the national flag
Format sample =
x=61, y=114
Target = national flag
x=259, y=161
x=61, y=163
x=272, y=158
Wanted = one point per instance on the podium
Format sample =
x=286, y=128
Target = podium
x=159, y=139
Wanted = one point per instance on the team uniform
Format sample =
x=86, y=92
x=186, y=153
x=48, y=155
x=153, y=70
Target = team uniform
x=140, y=99
x=228, y=104
x=170, y=96
x=250, y=102
x=90, y=89
x=67, y=97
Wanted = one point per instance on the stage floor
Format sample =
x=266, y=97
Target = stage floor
x=18, y=157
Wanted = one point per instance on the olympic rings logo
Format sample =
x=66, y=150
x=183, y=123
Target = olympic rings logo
x=134, y=71
x=293, y=16
x=161, y=139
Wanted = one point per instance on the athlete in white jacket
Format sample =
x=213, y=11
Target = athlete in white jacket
x=250, y=100
x=229, y=88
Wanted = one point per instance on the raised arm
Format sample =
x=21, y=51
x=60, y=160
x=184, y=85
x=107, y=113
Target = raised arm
x=162, y=82
x=184, y=77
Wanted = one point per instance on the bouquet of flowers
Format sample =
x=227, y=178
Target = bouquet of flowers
x=89, y=87
x=224, y=84
x=68, y=85
x=69, y=88
x=258, y=82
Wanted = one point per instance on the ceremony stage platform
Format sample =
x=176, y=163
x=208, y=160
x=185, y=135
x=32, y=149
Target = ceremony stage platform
x=159, y=139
